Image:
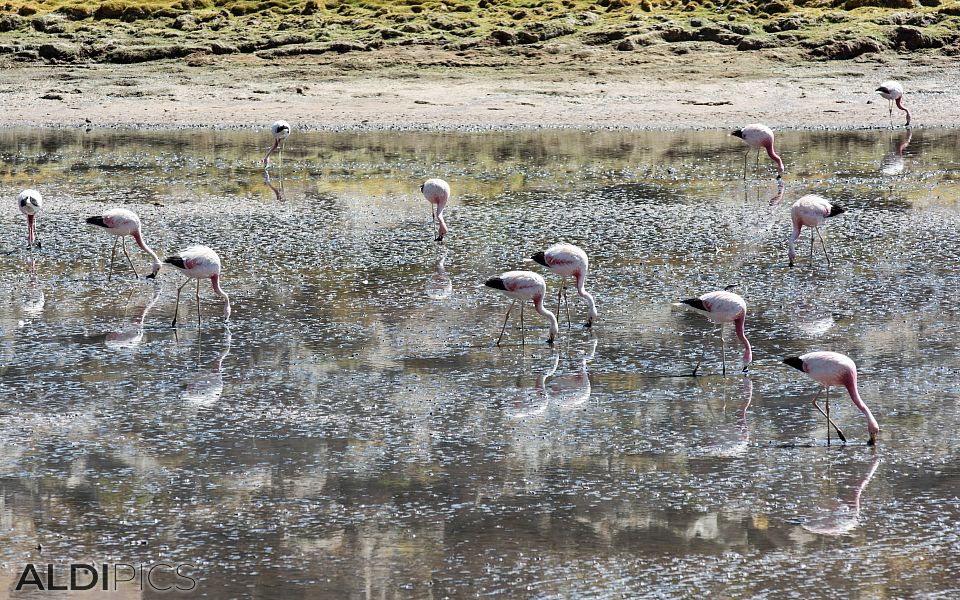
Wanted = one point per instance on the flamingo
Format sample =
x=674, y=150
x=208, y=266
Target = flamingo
x=199, y=262
x=437, y=193
x=893, y=92
x=30, y=202
x=523, y=286
x=724, y=307
x=830, y=369
x=121, y=223
x=567, y=260
x=810, y=211
x=280, y=131
x=759, y=136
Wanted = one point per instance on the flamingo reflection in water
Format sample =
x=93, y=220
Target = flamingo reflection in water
x=438, y=286
x=277, y=191
x=892, y=164
x=206, y=385
x=733, y=440
x=563, y=392
x=846, y=517
x=132, y=333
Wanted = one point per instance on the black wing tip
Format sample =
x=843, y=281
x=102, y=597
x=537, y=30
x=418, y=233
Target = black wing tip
x=882, y=90
x=836, y=209
x=738, y=133
x=540, y=258
x=795, y=362
x=175, y=261
x=495, y=283
x=98, y=221
x=697, y=303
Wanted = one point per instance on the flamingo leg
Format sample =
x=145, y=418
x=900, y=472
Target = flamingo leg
x=523, y=341
x=829, y=421
x=176, y=310
x=756, y=168
x=566, y=303
x=113, y=253
x=723, y=350
x=703, y=353
x=823, y=245
x=123, y=244
x=198, y=305
x=811, y=245
x=507, y=318
x=746, y=155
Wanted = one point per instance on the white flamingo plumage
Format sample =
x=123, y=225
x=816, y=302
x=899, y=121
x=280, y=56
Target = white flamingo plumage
x=437, y=193
x=810, y=211
x=893, y=92
x=834, y=369
x=523, y=286
x=759, y=136
x=280, y=131
x=121, y=223
x=199, y=262
x=567, y=260
x=724, y=307
x=30, y=202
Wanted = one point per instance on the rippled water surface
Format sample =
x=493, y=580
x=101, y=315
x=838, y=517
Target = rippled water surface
x=356, y=433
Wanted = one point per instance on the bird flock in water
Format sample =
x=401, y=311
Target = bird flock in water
x=829, y=369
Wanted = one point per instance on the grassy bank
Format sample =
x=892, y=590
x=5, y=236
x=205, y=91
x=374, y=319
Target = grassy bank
x=128, y=31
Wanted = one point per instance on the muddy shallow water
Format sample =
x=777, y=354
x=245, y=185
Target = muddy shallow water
x=356, y=433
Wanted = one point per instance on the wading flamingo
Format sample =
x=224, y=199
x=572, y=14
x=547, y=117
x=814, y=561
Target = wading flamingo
x=280, y=131
x=121, y=223
x=523, y=286
x=723, y=307
x=830, y=369
x=30, y=202
x=810, y=211
x=759, y=136
x=437, y=193
x=199, y=262
x=567, y=260
x=893, y=92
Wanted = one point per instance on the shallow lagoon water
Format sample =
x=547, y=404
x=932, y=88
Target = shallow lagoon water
x=356, y=432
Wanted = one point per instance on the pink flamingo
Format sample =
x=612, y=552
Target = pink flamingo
x=523, y=286
x=830, y=369
x=724, y=307
x=759, y=136
x=30, y=202
x=437, y=193
x=280, y=131
x=199, y=262
x=893, y=91
x=121, y=223
x=810, y=211
x=567, y=260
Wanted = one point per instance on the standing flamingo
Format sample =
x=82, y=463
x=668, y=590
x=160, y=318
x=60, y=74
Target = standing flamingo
x=199, y=262
x=437, y=193
x=893, y=91
x=523, y=286
x=30, y=202
x=567, y=260
x=280, y=131
x=724, y=307
x=830, y=369
x=759, y=136
x=121, y=223
x=810, y=211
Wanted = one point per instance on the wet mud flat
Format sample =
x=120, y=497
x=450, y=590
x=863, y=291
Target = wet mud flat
x=355, y=431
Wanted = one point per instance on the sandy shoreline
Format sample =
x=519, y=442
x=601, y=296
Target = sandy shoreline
x=417, y=91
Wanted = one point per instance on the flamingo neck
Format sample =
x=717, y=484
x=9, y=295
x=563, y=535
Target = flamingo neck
x=276, y=144
x=773, y=155
x=792, y=241
x=215, y=282
x=747, y=352
x=903, y=108
x=143, y=246
x=551, y=318
x=582, y=291
x=31, y=229
x=851, y=384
